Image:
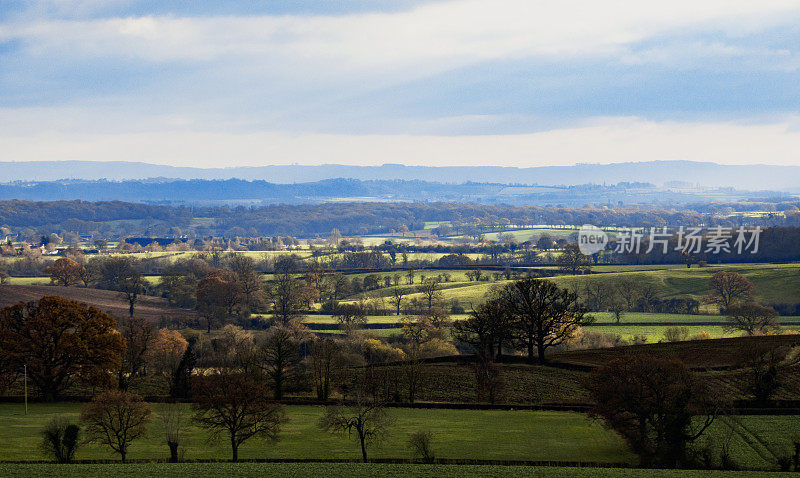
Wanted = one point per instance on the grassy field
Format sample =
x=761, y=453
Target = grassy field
x=353, y=470
x=655, y=333
x=459, y=434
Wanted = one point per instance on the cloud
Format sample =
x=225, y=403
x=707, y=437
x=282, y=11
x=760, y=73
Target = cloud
x=601, y=140
x=429, y=38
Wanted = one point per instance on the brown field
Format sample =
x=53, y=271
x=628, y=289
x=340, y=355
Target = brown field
x=697, y=354
x=147, y=307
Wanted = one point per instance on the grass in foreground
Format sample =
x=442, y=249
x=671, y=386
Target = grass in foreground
x=324, y=470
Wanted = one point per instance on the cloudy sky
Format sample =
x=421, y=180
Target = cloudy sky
x=456, y=82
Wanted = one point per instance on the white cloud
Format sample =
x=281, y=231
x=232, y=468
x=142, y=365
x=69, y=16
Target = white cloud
x=428, y=38
x=602, y=140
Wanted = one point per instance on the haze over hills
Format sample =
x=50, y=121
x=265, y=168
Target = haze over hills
x=704, y=174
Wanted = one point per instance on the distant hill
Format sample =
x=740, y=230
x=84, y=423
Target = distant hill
x=748, y=177
x=207, y=192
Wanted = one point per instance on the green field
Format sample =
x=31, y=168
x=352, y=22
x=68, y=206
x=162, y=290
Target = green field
x=353, y=470
x=459, y=434
x=655, y=333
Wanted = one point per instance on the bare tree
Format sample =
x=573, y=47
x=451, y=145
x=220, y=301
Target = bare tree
x=122, y=274
x=279, y=354
x=116, y=418
x=233, y=403
x=728, y=288
x=173, y=417
x=397, y=298
x=421, y=444
x=430, y=290
x=139, y=336
x=287, y=297
x=366, y=417
x=324, y=353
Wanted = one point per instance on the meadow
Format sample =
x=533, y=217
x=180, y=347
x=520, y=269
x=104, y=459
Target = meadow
x=544, y=436
x=458, y=434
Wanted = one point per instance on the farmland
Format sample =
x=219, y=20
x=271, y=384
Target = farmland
x=459, y=434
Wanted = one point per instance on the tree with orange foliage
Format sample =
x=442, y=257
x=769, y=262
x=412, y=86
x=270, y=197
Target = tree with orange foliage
x=65, y=272
x=219, y=295
x=166, y=352
x=61, y=341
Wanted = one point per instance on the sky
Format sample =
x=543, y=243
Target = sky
x=447, y=82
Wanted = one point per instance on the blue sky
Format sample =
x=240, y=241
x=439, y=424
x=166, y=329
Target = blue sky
x=506, y=82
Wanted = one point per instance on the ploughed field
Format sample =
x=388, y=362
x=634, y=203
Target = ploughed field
x=147, y=307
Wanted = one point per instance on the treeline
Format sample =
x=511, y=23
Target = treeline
x=115, y=218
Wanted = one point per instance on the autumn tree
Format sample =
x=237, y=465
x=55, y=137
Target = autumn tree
x=652, y=403
x=751, y=318
x=65, y=272
x=61, y=341
x=166, y=352
x=236, y=404
x=543, y=314
x=115, y=419
x=219, y=296
x=728, y=288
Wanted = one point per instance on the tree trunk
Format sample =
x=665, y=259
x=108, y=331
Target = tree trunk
x=540, y=351
x=123, y=453
x=363, y=446
x=173, y=451
x=234, y=449
x=530, y=350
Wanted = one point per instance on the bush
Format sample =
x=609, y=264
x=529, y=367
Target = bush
x=676, y=334
x=421, y=446
x=60, y=440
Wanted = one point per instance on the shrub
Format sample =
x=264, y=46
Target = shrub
x=676, y=334
x=421, y=446
x=60, y=440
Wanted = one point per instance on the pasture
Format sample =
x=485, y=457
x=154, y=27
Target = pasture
x=458, y=434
